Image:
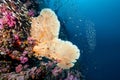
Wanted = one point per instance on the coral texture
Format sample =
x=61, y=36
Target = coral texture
x=45, y=30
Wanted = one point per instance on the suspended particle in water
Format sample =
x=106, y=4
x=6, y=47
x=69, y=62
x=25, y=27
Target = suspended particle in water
x=90, y=34
x=77, y=26
x=80, y=20
x=95, y=67
x=76, y=35
x=70, y=17
x=63, y=21
x=87, y=69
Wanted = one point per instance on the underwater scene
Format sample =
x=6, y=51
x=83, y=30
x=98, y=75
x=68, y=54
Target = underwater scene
x=59, y=40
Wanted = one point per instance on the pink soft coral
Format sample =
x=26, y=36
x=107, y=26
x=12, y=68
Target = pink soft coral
x=3, y=9
x=10, y=19
x=23, y=59
x=19, y=68
x=1, y=23
x=56, y=71
x=16, y=37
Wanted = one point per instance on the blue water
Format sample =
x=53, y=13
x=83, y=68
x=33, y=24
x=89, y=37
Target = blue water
x=100, y=61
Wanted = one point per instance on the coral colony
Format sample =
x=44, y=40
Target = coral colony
x=29, y=45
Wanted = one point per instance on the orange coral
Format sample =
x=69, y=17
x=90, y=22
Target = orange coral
x=45, y=29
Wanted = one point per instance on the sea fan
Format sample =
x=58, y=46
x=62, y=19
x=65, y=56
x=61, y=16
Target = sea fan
x=45, y=30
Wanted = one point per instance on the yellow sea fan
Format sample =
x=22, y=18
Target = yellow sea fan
x=46, y=26
x=65, y=52
x=45, y=29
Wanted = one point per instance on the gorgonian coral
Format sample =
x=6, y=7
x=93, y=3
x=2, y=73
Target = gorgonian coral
x=45, y=27
x=45, y=30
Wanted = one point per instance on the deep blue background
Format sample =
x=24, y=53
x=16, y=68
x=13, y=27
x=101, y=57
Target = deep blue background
x=104, y=62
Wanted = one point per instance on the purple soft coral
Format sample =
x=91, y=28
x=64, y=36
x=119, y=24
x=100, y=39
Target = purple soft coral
x=31, y=12
x=71, y=77
x=23, y=59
